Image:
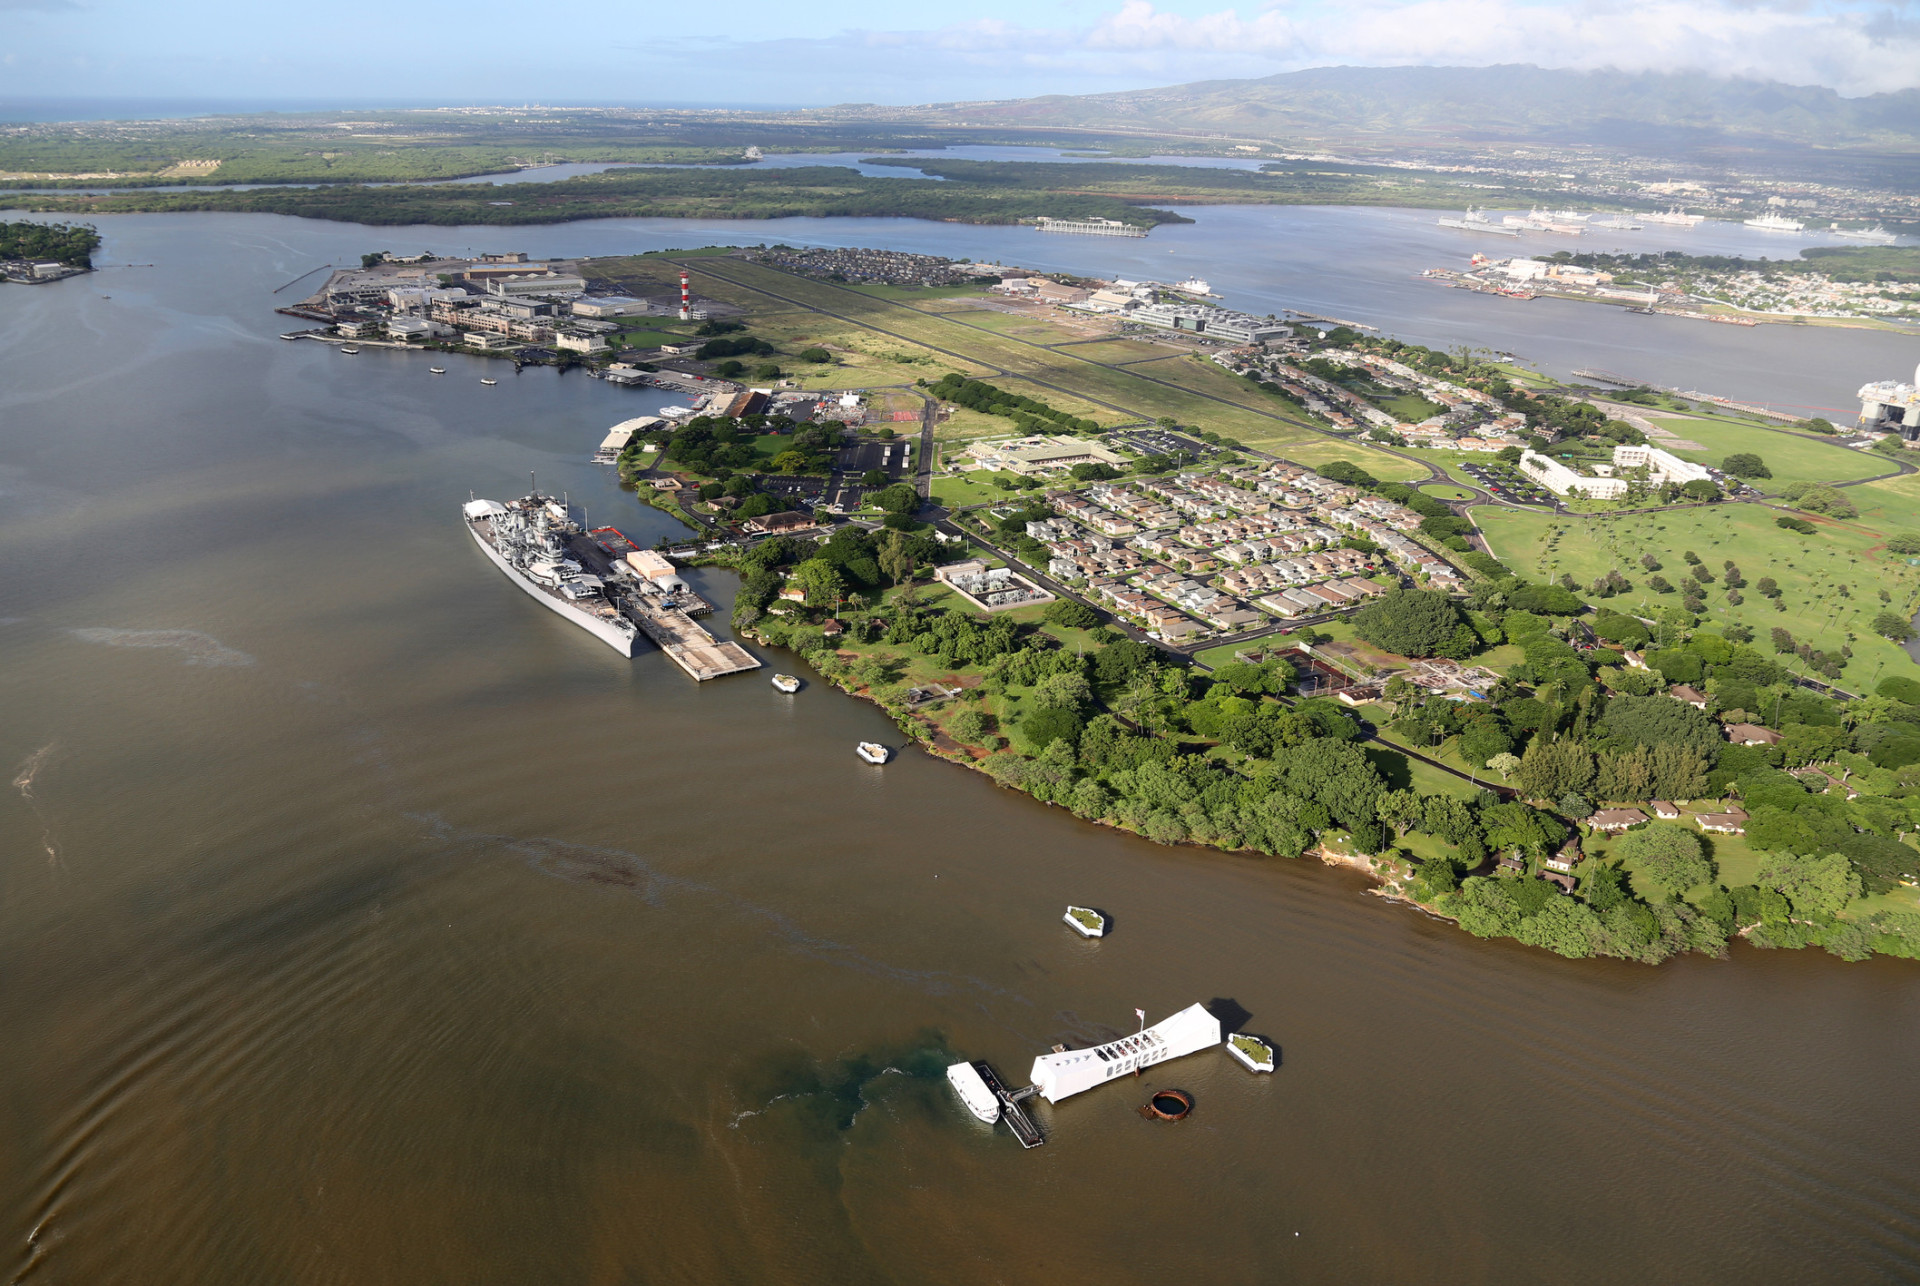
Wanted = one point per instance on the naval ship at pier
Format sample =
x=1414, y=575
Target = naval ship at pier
x=601, y=581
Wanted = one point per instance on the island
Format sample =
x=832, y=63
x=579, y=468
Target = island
x=36, y=253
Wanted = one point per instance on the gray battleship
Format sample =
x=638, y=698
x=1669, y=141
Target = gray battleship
x=542, y=550
x=601, y=581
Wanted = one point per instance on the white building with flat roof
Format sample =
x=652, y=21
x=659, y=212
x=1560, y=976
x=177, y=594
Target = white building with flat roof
x=1560, y=480
x=1661, y=466
x=1191, y=1030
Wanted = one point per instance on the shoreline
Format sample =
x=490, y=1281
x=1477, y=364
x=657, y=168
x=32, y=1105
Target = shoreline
x=1388, y=876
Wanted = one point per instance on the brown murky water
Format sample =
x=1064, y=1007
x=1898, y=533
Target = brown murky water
x=362, y=922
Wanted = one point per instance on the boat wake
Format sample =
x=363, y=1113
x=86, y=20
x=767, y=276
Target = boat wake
x=23, y=782
x=197, y=648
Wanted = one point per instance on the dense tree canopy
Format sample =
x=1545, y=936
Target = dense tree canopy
x=1409, y=622
x=1656, y=720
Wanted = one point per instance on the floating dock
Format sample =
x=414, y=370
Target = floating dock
x=1011, y=1112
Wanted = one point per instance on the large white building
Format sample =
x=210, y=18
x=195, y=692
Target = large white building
x=1887, y=407
x=1560, y=480
x=1662, y=467
x=1218, y=323
x=1058, y=1075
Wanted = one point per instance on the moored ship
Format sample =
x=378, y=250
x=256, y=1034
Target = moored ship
x=1876, y=235
x=1775, y=223
x=542, y=550
x=1476, y=221
x=1676, y=217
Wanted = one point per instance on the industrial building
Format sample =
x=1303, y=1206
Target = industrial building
x=1095, y=227
x=1889, y=407
x=608, y=306
x=543, y=283
x=1214, y=323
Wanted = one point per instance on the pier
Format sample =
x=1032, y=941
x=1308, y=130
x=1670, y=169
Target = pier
x=693, y=649
x=1336, y=321
x=663, y=613
x=1010, y=1110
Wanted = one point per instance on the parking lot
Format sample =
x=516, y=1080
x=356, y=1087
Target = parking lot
x=1159, y=442
x=1504, y=482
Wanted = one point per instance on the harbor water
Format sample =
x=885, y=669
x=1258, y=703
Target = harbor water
x=362, y=921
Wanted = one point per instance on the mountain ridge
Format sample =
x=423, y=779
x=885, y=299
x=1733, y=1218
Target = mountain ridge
x=1476, y=106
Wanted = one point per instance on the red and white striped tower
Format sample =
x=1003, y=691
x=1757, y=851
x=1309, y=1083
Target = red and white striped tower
x=686, y=312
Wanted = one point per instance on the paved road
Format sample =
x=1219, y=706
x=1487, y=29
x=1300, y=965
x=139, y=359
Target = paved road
x=923, y=472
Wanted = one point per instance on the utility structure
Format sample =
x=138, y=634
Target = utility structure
x=686, y=298
x=1892, y=407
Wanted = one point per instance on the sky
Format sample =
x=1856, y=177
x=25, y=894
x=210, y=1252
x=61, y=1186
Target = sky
x=775, y=52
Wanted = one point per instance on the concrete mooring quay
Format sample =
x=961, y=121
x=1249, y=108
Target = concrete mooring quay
x=691, y=647
x=653, y=595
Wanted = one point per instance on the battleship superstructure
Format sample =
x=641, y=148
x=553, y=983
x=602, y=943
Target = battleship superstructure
x=1476, y=221
x=535, y=541
x=602, y=582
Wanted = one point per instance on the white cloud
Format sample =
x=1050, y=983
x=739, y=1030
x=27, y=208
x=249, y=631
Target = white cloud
x=1854, y=51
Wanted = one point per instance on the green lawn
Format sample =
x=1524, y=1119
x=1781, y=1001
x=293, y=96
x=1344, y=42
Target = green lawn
x=1410, y=408
x=914, y=293
x=1809, y=569
x=1446, y=491
x=972, y=488
x=1793, y=457
x=1318, y=451
x=1891, y=505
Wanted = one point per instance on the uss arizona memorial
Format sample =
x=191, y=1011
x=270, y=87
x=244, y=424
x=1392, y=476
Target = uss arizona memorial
x=1661, y=468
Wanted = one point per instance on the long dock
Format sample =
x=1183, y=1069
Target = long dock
x=693, y=649
x=1010, y=1110
x=672, y=627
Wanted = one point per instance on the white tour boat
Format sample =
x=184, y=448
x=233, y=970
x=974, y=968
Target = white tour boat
x=786, y=683
x=349, y=350
x=489, y=382
x=1086, y=921
x=873, y=752
x=436, y=370
x=974, y=1091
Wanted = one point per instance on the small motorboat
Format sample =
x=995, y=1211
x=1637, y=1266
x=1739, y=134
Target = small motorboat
x=873, y=752
x=1086, y=921
x=350, y=350
x=786, y=683
x=436, y=370
x=489, y=383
